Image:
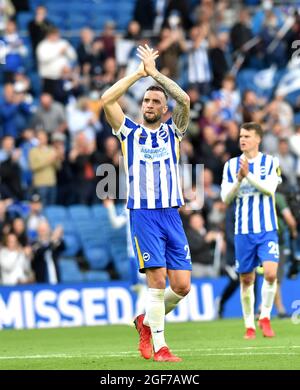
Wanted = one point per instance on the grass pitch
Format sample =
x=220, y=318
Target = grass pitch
x=202, y=345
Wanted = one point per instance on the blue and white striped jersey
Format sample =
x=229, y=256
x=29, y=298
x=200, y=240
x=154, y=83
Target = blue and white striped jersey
x=151, y=161
x=254, y=202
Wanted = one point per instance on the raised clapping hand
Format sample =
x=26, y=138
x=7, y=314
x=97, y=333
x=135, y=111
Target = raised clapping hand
x=244, y=169
x=148, y=57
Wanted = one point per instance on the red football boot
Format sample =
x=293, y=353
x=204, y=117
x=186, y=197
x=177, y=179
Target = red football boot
x=165, y=355
x=250, y=334
x=265, y=326
x=145, y=346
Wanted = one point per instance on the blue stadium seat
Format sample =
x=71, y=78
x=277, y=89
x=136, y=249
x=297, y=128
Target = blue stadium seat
x=80, y=212
x=56, y=212
x=72, y=245
x=23, y=18
x=77, y=22
x=96, y=276
x=297, y=119
x=98, y=258
x=99, y=211
x=69, y=270
x=123, y=269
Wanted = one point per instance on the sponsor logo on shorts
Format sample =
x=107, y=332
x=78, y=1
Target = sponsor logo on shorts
x=146, y=256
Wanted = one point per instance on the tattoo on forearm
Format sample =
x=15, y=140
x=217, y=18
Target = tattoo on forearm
x=182, y=109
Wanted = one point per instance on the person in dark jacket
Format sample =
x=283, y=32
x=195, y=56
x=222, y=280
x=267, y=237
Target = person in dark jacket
x=46, y=251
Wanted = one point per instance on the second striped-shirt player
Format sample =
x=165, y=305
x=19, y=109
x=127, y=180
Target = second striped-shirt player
x=251, y=181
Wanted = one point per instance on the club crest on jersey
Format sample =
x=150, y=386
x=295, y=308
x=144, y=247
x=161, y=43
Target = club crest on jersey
x=263, y=171
x=162, y=134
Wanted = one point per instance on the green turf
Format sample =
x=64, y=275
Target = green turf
x=202, y=345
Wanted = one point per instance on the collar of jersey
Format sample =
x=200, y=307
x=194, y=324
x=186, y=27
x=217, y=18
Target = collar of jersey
x=253, y=159
x=151, y=130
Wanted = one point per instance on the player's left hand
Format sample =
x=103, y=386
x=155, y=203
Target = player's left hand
x=148, y=56
x=244, y=167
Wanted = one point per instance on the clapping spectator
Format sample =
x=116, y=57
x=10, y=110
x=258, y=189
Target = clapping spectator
x=44, y=163
x=38, y=27
x=15, y=265
x=46, y=251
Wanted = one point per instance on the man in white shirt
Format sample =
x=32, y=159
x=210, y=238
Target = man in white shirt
x=53, y=55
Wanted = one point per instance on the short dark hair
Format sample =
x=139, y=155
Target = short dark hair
x=253, y=126
x=157, y=88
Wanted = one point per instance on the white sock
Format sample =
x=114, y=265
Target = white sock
x=247, y=300
x=155, y=317
x=268, y=292
x=141, y=301
x=171, y=299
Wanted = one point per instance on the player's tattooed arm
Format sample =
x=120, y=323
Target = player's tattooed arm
x=182, y=109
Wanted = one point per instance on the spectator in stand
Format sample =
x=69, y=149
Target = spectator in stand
x=218, y=48
x=81, y=119
x=4, y=218
x=21, y=5
x=83, y=157
x=287, y=162
x=15, y=265
x=108, y=38
x=53, y=54
x=18, y=227
x=211, y=190
x=280, y=111
x=199, y=72
x=85, y=48
x=172, y=44
x=271, y=138
x=10, y=172
x=201, y=244
x=44, y=164
x=240, y=34
x=180, y=9
x=27, y=142
x=50, y=116
x=147, y=11
x=229, y=99
x=46, y=251
x=295, y=148
x=35, y=217
x=108, y=75
x=232, y=139
x=38, y=27
x=70, y=86
x=15, y=51
x=7, y=10
x=252, y=107
x=65, y=186
x=15, y=112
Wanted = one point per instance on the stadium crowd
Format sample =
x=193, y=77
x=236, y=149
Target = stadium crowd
x=236, y=60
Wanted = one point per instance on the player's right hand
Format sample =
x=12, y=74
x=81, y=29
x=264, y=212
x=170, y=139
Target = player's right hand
x=141, y=70
x=148, y=56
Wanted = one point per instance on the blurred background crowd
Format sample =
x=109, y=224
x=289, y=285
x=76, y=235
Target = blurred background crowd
x=238, y=61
